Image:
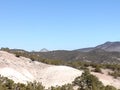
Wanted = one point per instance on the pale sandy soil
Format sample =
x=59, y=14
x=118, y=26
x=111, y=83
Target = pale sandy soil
x=107, y=79
x=24, y=70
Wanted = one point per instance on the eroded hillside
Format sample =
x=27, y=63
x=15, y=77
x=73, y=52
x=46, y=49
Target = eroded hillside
x=23, y=70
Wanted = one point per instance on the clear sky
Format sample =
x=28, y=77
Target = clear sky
x=58, y=24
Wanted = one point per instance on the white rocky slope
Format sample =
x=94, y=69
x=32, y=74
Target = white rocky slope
x=106, y=79
x=24, y=70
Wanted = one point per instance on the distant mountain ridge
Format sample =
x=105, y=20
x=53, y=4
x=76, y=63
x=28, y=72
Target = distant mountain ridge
x=44, y=50
x=107, y=46
x=108, y=52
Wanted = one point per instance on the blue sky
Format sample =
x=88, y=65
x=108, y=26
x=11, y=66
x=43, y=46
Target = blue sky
x=58, y=24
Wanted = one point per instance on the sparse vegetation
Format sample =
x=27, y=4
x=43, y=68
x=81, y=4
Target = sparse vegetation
x=7, y=84
x=88, y=82
x=85, y=82
x=97, y=69
x=110, y=88
x=115, y=74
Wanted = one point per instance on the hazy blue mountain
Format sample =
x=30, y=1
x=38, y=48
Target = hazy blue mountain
x=108, y=46
x=44, y=50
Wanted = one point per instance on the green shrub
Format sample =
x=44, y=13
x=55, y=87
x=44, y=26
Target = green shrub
x=98, y=69
x=110, y=88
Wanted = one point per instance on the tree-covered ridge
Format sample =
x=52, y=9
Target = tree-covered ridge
x=97, y=55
